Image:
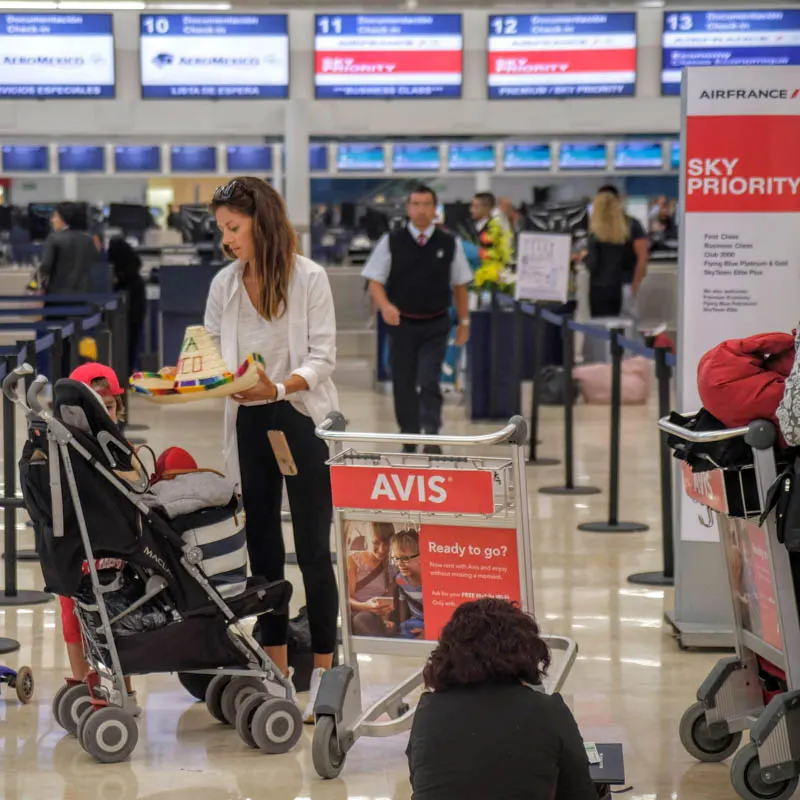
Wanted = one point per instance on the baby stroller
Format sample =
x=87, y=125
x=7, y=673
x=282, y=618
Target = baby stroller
x=151, y=606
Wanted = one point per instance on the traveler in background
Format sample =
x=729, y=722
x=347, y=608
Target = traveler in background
x=273, y=302
x=126, y=264
x=414, y=273
x=481, y=209
x=486, y=730
x=69, y=256
x=174, y=219
x=512, y=214
x=636, y=258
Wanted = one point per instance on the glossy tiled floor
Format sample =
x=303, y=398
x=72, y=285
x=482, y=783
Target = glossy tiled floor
x=630, y=684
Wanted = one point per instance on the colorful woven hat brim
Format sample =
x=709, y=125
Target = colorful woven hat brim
x=157, y=389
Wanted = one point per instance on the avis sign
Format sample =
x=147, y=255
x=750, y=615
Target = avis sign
x=449, y=491
x=707, y=488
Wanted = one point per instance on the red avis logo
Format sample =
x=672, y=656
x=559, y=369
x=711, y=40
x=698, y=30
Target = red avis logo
x=410, y=487
x=795, y=94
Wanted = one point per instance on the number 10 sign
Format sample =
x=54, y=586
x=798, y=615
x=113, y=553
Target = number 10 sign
x=543, y=262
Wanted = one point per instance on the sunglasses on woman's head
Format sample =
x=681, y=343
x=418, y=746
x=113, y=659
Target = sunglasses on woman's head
x=223, y=194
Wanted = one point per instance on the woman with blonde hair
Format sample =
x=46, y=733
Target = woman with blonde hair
x=608, y=249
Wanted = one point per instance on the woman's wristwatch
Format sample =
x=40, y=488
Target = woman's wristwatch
x=280, y=390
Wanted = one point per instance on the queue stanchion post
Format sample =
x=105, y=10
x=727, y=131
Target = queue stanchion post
x=122, y=365
x=57, y=357
x=667, y=576
x=539, y=328
x=494, y=341
x=613, y=524
x=569, y=487
x=11, y=594
x=75, y=344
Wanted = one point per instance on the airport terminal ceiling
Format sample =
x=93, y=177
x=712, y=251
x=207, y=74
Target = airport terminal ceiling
x=539, y=5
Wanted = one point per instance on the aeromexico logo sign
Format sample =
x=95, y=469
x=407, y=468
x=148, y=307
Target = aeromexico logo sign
x=452, y=491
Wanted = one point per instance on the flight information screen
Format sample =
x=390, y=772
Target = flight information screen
x=388, y=55
x=562, y=55
x=525, y=155
x=82, y=158
x=583, y=155
x=193, y=158
x=477, y=156
x=137, y=158
x=767, y=37
x=220, y=56
x=360, y=158
x=413, y=157
x=56, y=55
x=26, y=158
x=243, y=158
x=644, y=154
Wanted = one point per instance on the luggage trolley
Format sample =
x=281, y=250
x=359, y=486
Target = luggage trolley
x=736, y=694
x=453, y=505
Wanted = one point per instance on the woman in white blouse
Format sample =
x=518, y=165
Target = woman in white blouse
x=273, y=302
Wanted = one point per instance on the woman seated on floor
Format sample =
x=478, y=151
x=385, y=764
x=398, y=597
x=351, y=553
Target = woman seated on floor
x=486, y=730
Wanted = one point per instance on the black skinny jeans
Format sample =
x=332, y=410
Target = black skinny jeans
x=311, y=508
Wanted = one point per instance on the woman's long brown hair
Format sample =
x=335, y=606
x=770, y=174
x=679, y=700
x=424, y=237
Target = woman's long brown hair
x=274, y=239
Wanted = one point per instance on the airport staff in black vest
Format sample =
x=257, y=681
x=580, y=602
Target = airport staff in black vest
x=415, y=273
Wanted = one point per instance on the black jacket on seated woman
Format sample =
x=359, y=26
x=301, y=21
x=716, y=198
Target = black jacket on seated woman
x=486, y=730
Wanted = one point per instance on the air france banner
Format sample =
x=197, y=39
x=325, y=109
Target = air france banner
x=56, y=55
x=562, y=55
x=740, y=235
x=388, y=55
x=220, y=56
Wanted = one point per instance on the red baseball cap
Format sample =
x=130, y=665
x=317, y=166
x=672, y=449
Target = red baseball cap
x=93, y=371
x=173, y=461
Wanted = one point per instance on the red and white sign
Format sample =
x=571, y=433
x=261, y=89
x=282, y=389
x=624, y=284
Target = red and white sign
x=740, y=233
x=706, y=488
x=451, y=491
x=464, y=564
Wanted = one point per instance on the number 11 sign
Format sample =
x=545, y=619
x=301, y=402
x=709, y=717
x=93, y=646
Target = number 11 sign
x=543, y=262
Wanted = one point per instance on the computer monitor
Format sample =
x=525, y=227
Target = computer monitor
x=131, y=218
x=197, y=224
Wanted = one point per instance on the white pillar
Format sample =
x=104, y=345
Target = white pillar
x=483, y=182
x=297, y=177
x=71, y=186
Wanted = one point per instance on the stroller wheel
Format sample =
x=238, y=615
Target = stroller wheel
x=235, y=693
x=109, y=735
x=244, y=717
x=214, y=696
x=56, y=701
x=24, y=684
x=277, y=726
x=72, y=705
x=82, y=723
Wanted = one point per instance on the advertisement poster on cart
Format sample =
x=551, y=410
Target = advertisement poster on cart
x=405, y=582
x=740, y=236
x=751, y=580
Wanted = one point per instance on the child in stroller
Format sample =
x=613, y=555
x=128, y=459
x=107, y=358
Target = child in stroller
x=167, y=608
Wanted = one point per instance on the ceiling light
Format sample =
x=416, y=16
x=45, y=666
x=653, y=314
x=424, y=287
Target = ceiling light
x=190, y=6
x=107, y=5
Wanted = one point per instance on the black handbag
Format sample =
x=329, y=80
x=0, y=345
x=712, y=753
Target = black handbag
x=784, y=497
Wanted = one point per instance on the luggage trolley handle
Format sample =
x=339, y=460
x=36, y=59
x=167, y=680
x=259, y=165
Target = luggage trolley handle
x=333, y=429
x=760, y=434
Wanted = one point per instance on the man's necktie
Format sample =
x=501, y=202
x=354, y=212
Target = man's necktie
x=421, y=240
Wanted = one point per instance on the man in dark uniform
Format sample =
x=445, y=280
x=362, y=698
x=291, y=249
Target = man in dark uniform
x=415, y=273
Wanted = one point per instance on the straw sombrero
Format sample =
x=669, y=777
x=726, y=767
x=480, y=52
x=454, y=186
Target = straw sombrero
x=200, y=374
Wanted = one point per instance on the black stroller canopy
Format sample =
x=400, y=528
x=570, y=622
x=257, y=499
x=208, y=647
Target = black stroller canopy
x=79, y=406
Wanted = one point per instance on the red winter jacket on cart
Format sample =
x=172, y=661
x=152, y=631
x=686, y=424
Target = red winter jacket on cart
x=741, y=380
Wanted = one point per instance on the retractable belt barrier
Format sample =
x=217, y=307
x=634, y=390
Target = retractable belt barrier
x=618, y=343
x=57, y=324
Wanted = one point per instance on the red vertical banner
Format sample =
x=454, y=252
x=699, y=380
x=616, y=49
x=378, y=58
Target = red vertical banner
x=463, y=564
x=761, y=585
